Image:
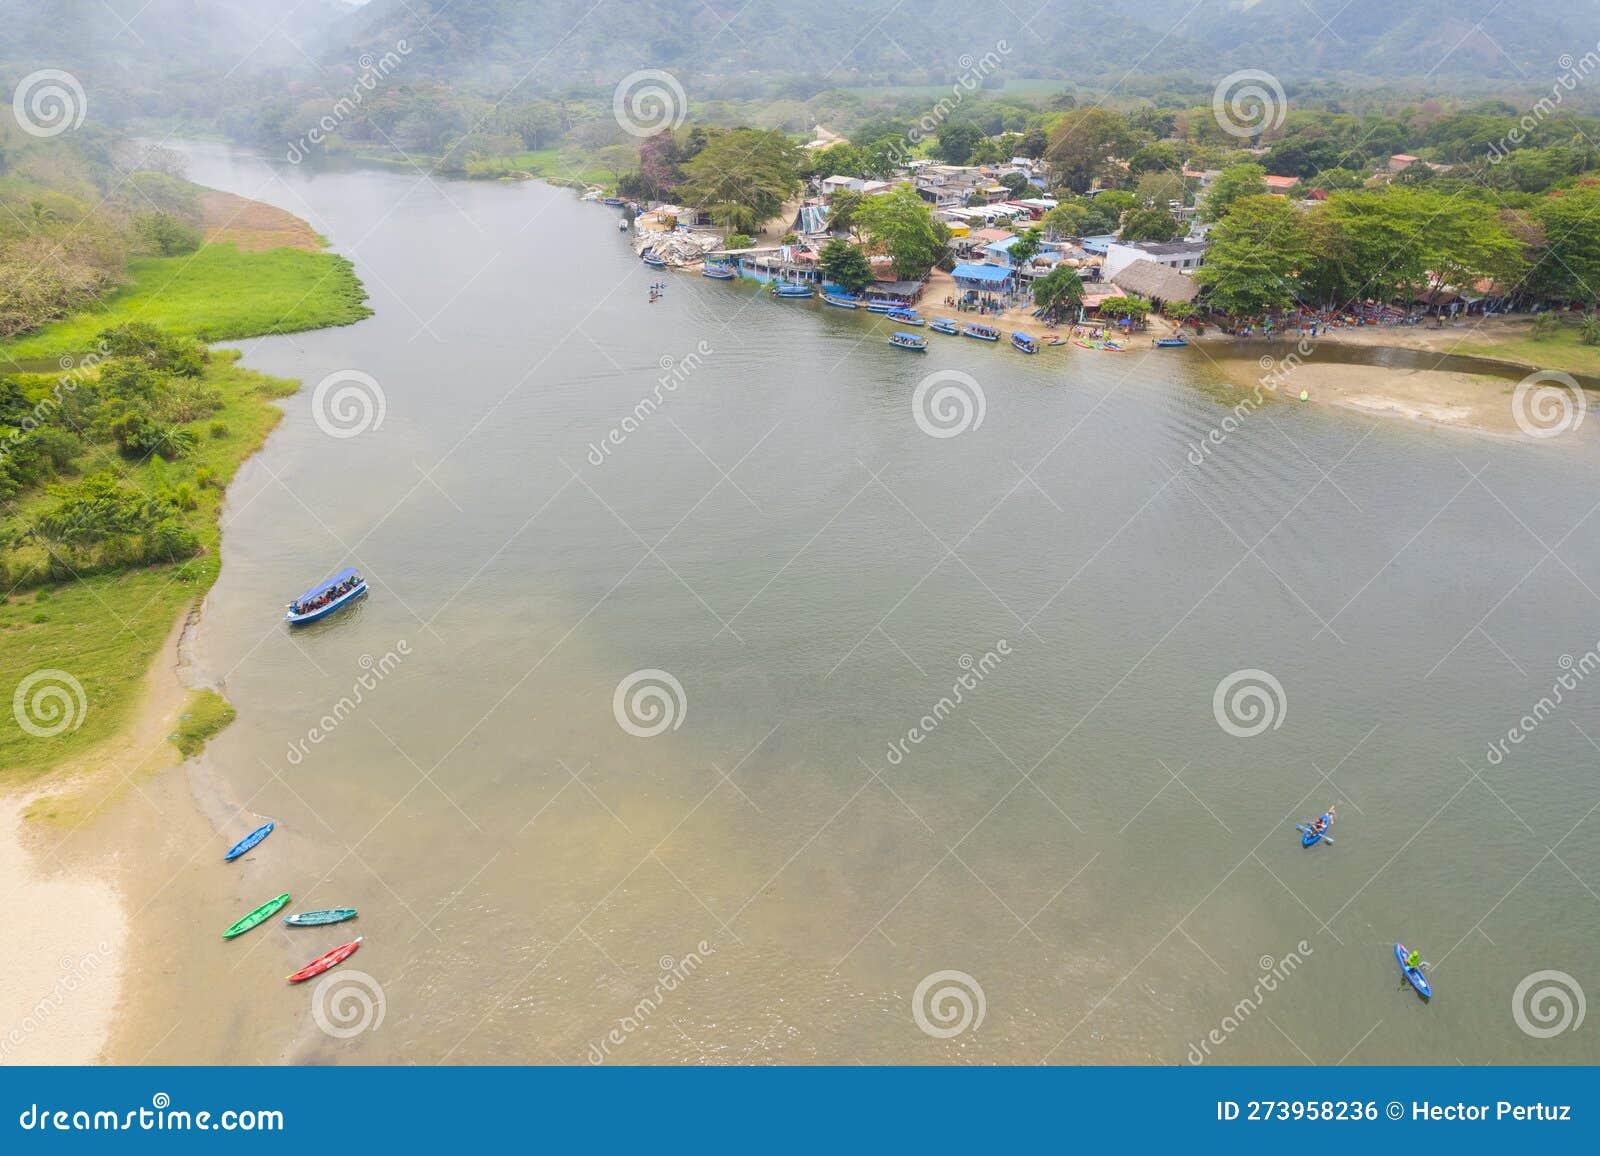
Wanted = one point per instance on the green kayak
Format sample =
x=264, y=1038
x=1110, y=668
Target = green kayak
x=266, y=911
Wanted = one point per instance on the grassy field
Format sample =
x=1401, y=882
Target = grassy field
x=204, y=717
x=214, y=294
x=1561, y=350
x=548, y=163
x=103, y=632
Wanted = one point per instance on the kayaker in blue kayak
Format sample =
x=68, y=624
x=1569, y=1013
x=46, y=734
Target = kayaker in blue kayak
x=1414, y=959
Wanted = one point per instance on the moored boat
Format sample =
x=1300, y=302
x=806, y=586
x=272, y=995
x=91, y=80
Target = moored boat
x=1113, y=346
x=649, y=258
x=981, y=332
x=907, y=340
x=1171, y=343
x=839, y=302
x=905, y=316
x=881, y=306
x=784, y=289
x=326, y=597
x=323, y=962
x=1025, y=343
x=320, y=918
x=257, y=917
x=718, y=271
x=249, y=841
x=614, y=202
x=940, y=325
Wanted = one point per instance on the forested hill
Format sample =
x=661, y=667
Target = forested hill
x=925, y=39
x=547, y=44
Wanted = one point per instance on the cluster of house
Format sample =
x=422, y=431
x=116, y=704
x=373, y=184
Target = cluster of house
x=984, y=208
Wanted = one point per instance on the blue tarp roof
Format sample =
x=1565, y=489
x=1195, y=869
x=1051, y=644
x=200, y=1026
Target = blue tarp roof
x=907, y=336
x=990, y=274
x=1001, y=246
x=321, y=586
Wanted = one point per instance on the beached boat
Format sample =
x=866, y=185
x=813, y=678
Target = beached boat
x=1078, y=341
x=649, y=258
x=1025, y=343
x=1170, y=343
x=981, y=332
x=783, y=289
x=614, y=202
x=323, y=962
x=326, y=597
x=249, y=841
x=320, y=918
x=940, y=325
x=260, y=915
x=718, y=271
x=905, y=316
x=881, y=307
x=1113, y=346
x=907, y=341
x=840, y=302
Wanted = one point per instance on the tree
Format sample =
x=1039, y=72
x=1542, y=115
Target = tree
x=1156, y=157
x=1150, y=225
x=845, y=266
x=955, y=141
x=1256, y=254
x=1569, y=266
x=903, y=223
x=842, y=210
x=842, y=159
x=1025, y=248
x=1033, y=143
x=1083, y=142
x=1016, y=184
x=742, y=176
x=1158, y=190
x=1231, y=184
x=1065, y=220
x=1059, y=290
x=1132, y=308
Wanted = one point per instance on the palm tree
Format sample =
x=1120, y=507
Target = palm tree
x=1058, y=290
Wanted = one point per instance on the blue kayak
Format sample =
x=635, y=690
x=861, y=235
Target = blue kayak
x=248, y=841
x=1309, y=835
x=1413, y=974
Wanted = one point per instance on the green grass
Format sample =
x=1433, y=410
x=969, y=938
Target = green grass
x=204, y=717
x=558, y=164
x=105, y=631
x=217, y=293
x=1561, y=350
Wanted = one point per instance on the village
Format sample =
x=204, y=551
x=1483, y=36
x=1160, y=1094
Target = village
x=1005, y=246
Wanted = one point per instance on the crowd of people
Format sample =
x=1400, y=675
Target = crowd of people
x=331, y=594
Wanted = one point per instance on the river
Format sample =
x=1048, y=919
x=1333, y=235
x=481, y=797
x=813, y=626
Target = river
x=773, y=852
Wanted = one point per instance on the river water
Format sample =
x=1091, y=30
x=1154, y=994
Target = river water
x=812, y=834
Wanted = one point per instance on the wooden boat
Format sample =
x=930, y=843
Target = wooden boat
x=907, y=341
x=614, y=202
x=323, y=962
x=940, y=325
x=718, y=272
x=840, y=302
x=321, y=601
x=905, y=316
x=981, y=332
x=257, y=917
x=1170, y=343
x=881, y=307
x=649, y=258
x=248, y=841
x=320, y=918
x=783, y=289
x=1025, y=343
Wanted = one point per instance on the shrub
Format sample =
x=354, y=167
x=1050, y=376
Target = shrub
x=219, y=429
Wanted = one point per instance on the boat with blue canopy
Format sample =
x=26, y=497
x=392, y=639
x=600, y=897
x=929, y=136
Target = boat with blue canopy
x=981, y=332
x=1025, y=343
x=326, y=597
x=785, y=289
x=905, y=316
x=907, y=340
x=940, y=325
x=876, y=306
x=718, y=271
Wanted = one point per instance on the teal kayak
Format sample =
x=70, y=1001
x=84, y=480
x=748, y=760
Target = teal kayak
x=318, y=918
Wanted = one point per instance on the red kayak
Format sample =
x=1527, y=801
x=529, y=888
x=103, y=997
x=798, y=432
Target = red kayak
x=323, y=962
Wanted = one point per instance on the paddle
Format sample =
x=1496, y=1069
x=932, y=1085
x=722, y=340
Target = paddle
x=1326, y=838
